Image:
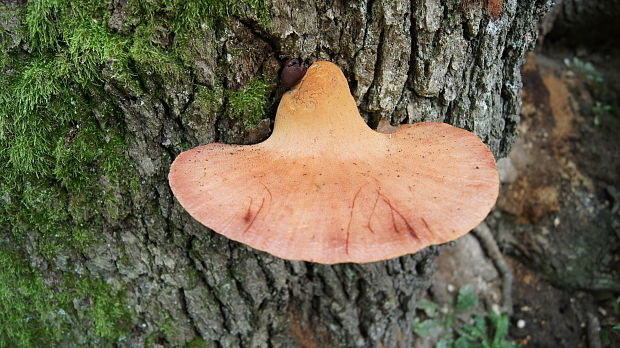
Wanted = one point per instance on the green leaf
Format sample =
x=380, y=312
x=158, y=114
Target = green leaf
x=476, y=333
x=605, y=336
x=446, y=341
x=500, y=322
x=466, y=300
x=480, y=323
x=430, y=308
x=426, y=327
x=463, y=342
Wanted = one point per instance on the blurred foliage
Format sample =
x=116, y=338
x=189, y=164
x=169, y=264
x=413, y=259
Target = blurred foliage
x=456, y=326
x=602, y=95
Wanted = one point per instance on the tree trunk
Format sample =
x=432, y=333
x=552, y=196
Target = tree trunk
x=97, y=100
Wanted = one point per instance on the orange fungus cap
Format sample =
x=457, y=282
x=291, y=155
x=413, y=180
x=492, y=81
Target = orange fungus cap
x=326, y=188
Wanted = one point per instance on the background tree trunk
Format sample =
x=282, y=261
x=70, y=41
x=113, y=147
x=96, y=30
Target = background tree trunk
x=582, y=23
x=98, y=99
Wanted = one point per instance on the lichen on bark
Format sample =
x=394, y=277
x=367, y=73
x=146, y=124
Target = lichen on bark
x=97, y=98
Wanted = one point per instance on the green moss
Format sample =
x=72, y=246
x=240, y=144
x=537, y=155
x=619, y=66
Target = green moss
x=250, y=104
x=153, y=57
x=166, y=333
x=53, y=152
x=90, y=45
x=208, y=96
x=168, y=328
x=103, y=307
x=161, y=37
x=24, y=300
x=185, y=16
x=39, y=312
x=42, y=28
x=210, y=100
x=53, y=155
x=197, y=342
x=63, y=155
x=260, y=9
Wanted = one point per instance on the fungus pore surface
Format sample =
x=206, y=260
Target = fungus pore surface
x=326, y=188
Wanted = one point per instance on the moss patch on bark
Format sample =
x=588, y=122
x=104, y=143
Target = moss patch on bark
x=250, y=103
x=36, y=310
x=64, y=162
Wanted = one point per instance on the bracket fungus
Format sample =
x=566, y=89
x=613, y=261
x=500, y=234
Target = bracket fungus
x=324, y=187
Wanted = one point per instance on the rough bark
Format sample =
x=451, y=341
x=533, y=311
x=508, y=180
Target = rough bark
x=423, y=60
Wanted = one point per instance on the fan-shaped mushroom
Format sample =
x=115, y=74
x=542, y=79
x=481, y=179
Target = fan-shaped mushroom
x=326, y=188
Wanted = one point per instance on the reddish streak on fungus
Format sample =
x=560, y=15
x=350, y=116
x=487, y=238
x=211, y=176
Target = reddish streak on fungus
x=372, y=213
x=428, y=228
x=351, y=219
x=248, y=214
x=394, y=210
x=262, y=202
x=270, y=195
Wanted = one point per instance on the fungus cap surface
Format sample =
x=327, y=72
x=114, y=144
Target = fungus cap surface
x=326, y=188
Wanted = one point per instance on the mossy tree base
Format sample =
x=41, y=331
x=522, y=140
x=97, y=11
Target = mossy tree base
x=96, y=100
